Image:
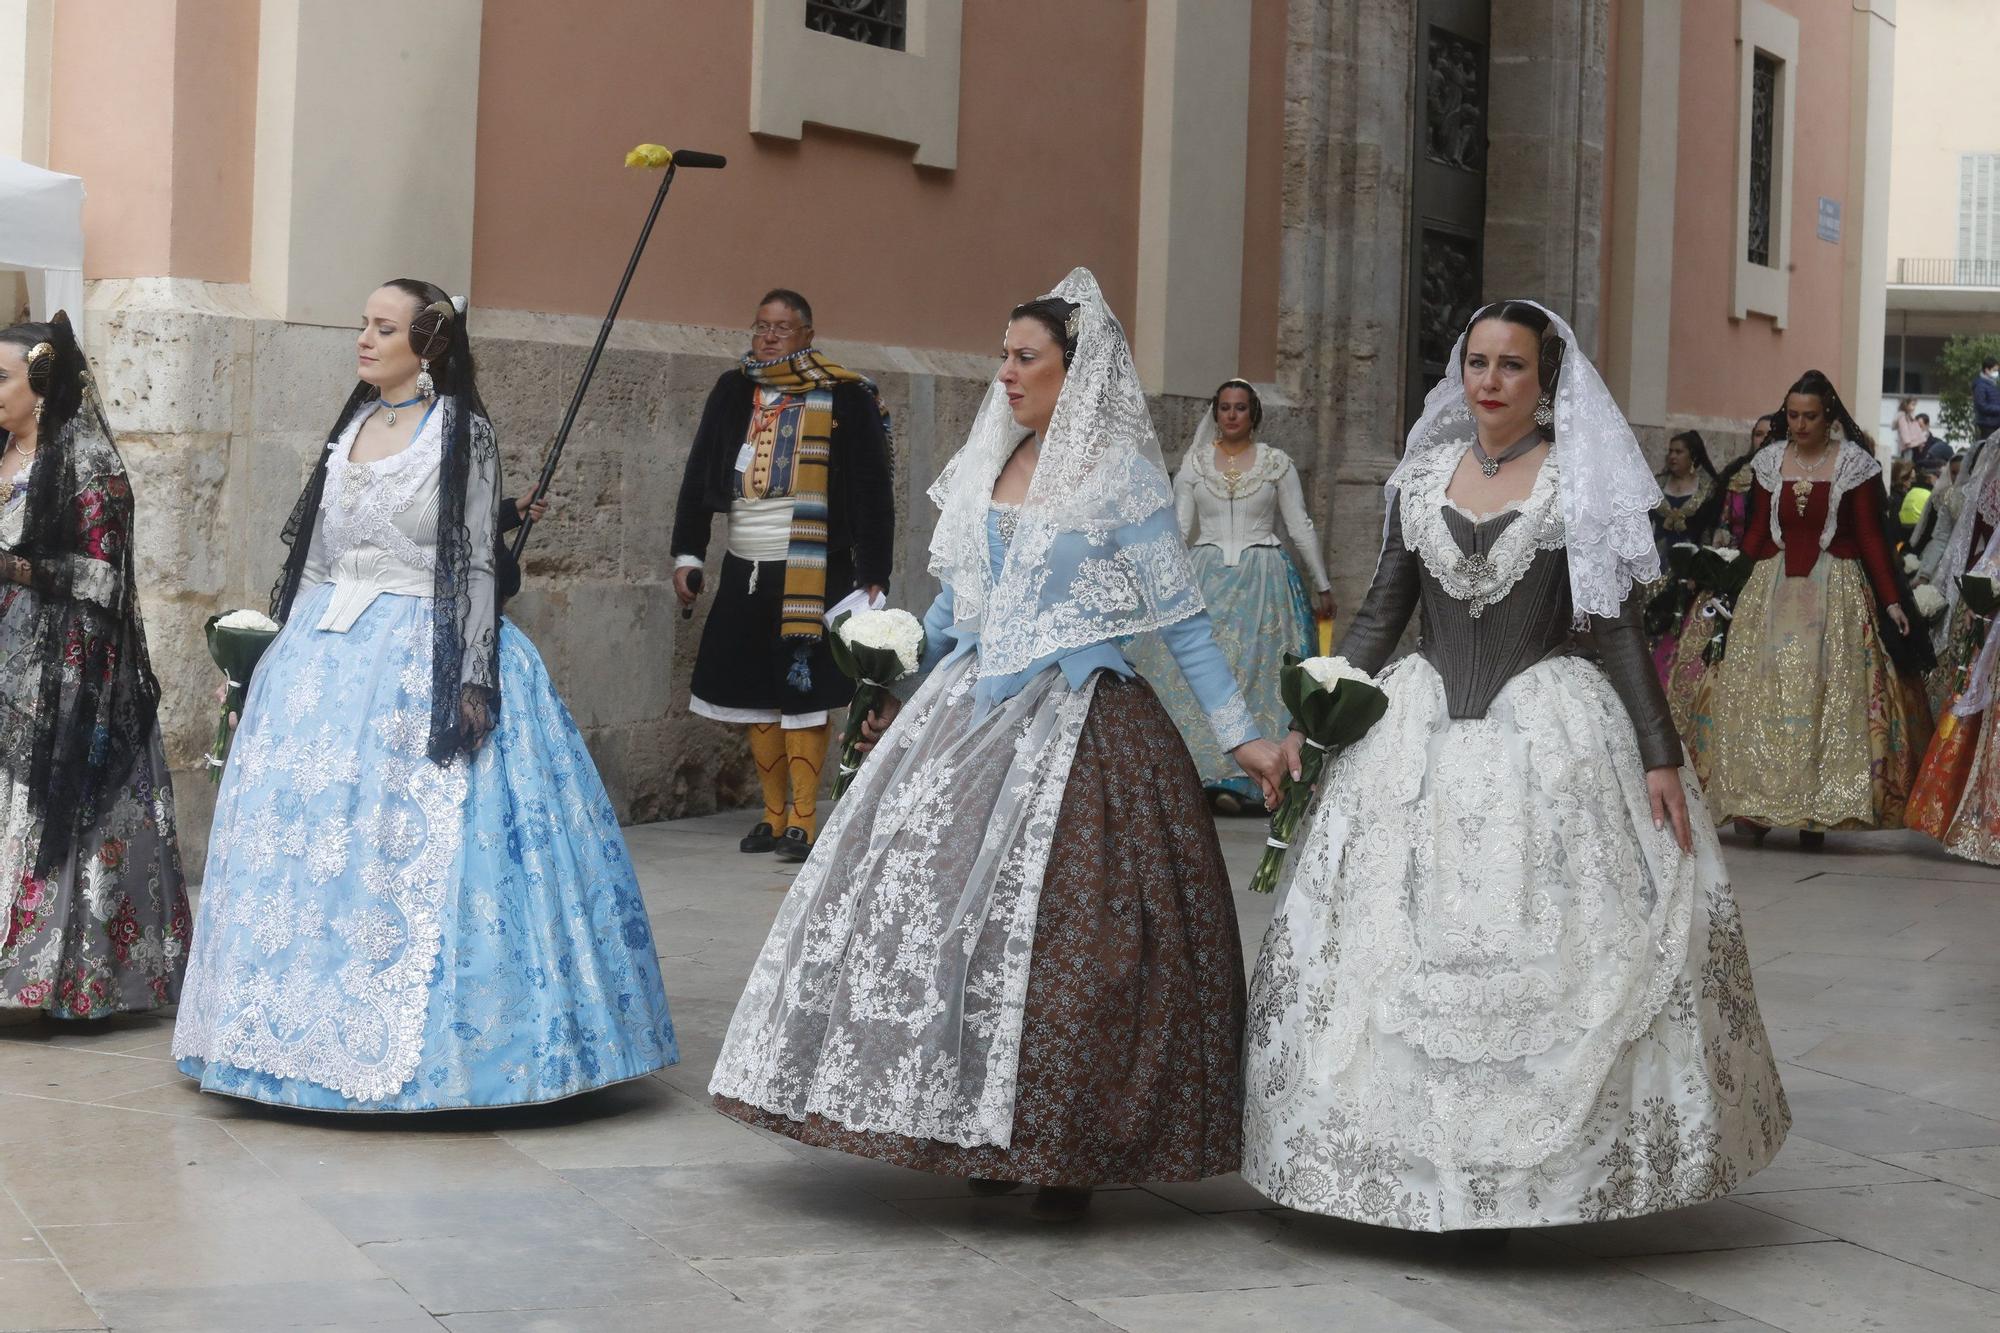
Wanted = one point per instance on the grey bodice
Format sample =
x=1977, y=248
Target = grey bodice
x=1477, y=654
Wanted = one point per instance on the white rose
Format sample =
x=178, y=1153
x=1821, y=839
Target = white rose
x=897, y=631
x=1330, y=671
x=1725, y=552
x=247, y=619
x=1930, y=602
x=1684, y=546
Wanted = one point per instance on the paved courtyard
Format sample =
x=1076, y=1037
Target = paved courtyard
x=133, y=1203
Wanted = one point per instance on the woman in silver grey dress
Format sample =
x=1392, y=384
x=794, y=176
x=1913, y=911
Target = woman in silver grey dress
x=1507, y=985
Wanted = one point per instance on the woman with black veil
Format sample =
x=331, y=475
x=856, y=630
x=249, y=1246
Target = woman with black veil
x=93, y=908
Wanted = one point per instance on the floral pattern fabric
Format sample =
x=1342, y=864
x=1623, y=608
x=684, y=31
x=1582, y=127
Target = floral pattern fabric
x=1494, y=994
x=106, y=930
x=1130, y=1040
x=379, y=932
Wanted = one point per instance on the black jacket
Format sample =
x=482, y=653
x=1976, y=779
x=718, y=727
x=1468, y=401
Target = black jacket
x=861, y=496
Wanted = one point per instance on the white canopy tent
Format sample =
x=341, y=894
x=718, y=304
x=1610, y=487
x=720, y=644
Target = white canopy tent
x=41, y=236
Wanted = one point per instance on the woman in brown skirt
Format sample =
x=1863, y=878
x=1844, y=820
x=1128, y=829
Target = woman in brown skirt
x=1012, y=956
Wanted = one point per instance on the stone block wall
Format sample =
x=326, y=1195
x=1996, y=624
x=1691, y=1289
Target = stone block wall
x=220, y=411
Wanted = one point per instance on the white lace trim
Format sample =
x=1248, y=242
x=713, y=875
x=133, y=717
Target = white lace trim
x=1268, y=467
x=363, y=500
x=1069, y=579
x=890, y=992
x=1480, y=580
x=1854, y=466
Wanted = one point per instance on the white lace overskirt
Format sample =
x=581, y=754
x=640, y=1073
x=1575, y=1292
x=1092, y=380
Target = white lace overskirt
x=1494, y=994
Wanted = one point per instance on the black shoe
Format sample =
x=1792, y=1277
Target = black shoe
x=1812, y=840
x=759, y=839
x=989, y=1189
x=794, y=846
x=1060, y=1203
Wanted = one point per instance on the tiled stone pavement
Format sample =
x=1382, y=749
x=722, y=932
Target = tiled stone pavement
x=131, y=1202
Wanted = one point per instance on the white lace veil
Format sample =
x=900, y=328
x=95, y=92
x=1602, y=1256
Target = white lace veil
x=1075, y=573
x=1608, y=491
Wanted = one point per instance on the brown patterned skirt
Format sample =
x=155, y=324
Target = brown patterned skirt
x=1132, y=1036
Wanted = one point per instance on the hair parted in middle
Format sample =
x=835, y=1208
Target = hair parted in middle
x=1256, y=403
x=1549, y=349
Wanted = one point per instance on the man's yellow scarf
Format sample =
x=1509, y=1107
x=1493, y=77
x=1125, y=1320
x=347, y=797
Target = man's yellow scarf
x=807, y=380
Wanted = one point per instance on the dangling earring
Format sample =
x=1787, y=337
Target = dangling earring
x=1545, y=412
x=39, y=404
x=426, y=386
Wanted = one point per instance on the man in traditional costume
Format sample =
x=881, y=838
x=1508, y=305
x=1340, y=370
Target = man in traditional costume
x=795, y=449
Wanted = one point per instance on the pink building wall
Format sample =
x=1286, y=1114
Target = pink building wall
x=1722, y=367
x=154, y=103
x=886, y=251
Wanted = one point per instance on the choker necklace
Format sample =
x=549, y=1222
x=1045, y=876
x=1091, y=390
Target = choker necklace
x=1491, y=466
x=390, y=409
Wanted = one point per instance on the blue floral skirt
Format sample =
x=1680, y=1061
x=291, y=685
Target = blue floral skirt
x=379, y=933
x=1261, y=612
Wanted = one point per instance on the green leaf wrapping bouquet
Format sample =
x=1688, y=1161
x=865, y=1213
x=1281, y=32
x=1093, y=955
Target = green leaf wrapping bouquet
x=236, y=642
x=1978, y=592
x=875, y=649
x=1332, y=703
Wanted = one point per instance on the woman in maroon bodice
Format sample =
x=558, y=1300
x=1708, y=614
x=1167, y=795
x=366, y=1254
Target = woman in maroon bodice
x=1812, y=723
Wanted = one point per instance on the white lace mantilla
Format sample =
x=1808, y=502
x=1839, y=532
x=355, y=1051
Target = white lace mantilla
x=1480, y=579
x=889, y=995
x=1854, y=466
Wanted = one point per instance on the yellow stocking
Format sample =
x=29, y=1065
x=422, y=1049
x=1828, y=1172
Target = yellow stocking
x=805, y=753
x=767, y=747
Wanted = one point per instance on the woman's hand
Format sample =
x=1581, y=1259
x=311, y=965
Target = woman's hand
x=1670, y=803
x=475, y=717
x=1899, y=619
x=532, y=506
x=876, y=724
x=1293, y=750
x=1264, y=762
x=1323, y=606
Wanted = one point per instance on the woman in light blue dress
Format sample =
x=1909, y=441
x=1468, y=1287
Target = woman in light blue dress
x=416, y=898
x=1231, y=496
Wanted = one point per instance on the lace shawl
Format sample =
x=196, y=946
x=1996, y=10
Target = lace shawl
x=96, y=700
x=1607, y=490
x=1075, y=573
x=1854, y=466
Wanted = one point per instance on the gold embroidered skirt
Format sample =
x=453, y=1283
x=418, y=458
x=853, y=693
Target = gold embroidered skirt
x=1805, y=723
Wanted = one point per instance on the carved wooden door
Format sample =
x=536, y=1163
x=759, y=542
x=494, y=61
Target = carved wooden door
x=1447, y=187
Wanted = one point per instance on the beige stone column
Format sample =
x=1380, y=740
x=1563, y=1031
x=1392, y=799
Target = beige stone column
x=366, y=126
x=1196, y=123
x=1638, y=314
x=27, y=31
x=1865, y=221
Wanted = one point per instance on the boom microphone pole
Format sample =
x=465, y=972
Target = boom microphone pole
x=645, y=155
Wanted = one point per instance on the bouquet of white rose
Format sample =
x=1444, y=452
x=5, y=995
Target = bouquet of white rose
x=875, y=649
x=236, y=642
x=1332, y=702
x=1930, y=602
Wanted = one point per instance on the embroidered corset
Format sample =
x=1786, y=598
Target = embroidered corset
x=378, y=524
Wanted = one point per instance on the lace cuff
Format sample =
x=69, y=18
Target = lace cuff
x=1233, y=723
x=94, y=581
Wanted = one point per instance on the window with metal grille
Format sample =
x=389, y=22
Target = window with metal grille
x=1978, y=209
x=871, y=22
x=1763, y=153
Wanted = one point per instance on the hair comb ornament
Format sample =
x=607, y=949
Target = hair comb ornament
x=430, y=339
x=41, y=366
